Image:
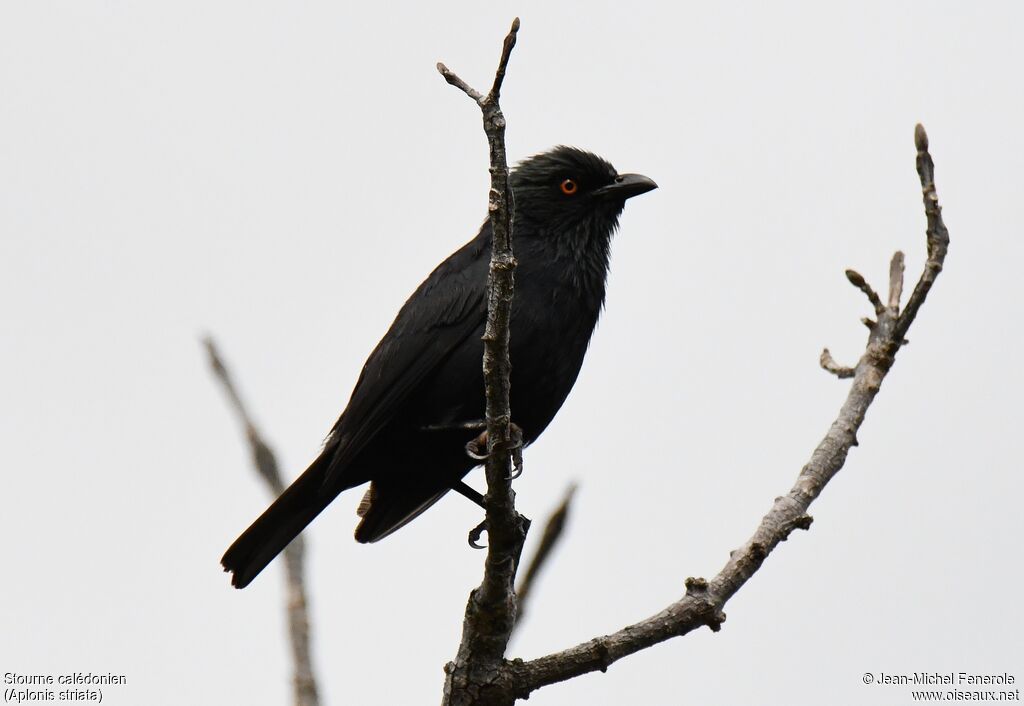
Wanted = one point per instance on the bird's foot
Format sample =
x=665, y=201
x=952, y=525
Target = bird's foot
x=516, y=446
x=476, y=449
x=475, y=533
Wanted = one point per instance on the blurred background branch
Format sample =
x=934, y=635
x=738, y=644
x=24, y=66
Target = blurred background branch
x=297, y=605
x=553, y=531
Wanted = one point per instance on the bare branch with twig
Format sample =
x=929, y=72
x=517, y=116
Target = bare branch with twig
x=704, y=600
x=304, y=683
x=480, y=682
x=491, y=608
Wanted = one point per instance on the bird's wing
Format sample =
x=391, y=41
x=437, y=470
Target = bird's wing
x=442, y=313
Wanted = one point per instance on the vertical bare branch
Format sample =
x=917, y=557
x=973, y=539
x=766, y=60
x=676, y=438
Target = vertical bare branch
x=304, y=682
x=491, y=609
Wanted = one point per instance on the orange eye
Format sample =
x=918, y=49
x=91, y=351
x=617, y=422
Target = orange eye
x=569, y=187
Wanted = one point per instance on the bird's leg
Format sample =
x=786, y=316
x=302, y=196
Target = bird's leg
x=476, y=449
x=474, y=534
x=471, y=493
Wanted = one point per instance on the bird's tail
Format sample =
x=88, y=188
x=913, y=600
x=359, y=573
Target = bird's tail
x=267, y=537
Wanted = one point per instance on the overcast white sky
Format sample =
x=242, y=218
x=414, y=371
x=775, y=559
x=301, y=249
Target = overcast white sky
x=283, y=174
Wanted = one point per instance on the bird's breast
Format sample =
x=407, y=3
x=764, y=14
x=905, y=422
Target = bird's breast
x=552, y=322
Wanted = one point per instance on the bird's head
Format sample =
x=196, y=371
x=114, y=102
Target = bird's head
x=567, y=189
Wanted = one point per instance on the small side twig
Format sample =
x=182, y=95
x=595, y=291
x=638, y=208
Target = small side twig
x=553, y=532
x=896, y=281
x=297, y=606
x=858, y=281
x=828, y=363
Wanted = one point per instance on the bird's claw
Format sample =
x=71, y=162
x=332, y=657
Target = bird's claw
x=476, y=449
x=475, y=533
x=516, y=447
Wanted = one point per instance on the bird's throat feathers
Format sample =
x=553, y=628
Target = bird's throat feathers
x=582, y=252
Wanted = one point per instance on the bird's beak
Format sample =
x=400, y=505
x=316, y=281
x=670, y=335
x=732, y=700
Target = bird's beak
x=626, y=186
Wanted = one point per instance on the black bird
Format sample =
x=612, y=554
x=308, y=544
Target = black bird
x=421, y=391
